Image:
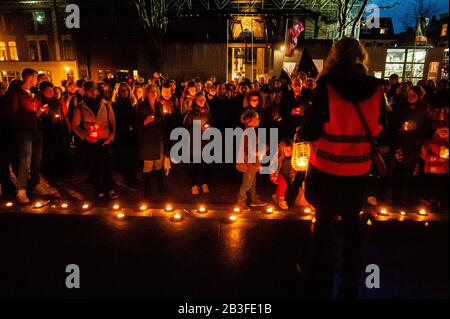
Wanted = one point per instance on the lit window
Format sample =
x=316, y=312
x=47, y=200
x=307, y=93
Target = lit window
x=444, y=30
x=383, y=30
x=13, y=51
x=3, y=52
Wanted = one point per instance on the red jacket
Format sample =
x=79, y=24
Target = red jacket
x=24, y=107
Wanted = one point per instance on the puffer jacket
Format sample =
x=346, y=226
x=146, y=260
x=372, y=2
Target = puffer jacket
x=84, y=118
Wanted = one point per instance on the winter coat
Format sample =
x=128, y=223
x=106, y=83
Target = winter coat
x=152, y=139
x=84, y=118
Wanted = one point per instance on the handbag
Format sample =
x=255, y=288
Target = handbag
x=377, y=159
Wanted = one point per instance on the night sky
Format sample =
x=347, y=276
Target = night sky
x=405, y=6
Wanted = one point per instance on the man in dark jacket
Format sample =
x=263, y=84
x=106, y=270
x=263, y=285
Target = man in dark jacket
x=26, y=114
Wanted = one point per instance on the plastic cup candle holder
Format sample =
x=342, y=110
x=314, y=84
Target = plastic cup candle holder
x=202, y=210
x=168, y=208
x=422, y=212
x=120, y=215
x=64, y=205
x=177, y=217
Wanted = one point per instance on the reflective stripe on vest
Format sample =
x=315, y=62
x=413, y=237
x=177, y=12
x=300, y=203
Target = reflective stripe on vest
x=343, y=147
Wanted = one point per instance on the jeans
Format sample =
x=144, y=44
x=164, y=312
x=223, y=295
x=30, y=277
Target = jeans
x=248, y=185
x=29, y=146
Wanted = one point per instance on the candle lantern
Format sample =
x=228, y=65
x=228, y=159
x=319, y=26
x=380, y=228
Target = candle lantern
x=300, y=156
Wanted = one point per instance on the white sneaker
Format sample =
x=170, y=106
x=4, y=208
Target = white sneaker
x=205, y=189
x=22, y=197
x=195, y=190
x=283, y=205
x=40, y=190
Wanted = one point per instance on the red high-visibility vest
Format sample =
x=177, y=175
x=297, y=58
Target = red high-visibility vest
x=343, y=148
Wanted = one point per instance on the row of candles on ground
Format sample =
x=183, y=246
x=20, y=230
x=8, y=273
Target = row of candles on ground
x=202, y=210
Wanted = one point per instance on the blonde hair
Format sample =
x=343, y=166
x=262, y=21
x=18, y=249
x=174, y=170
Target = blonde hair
x=131, y=96
x=149, y=87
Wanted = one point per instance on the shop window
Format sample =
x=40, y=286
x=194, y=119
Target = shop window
x=3, y=51
x=13, y=51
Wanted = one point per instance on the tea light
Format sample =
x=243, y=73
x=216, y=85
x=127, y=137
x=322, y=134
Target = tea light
x=9, y=204
x=120, y=215
x=202, y=209
x=116, y=207
x=85, y=206
x=384, y=211
x=143, y=207
x=313, y=220
x=177, y=217
x=369, y=222
x=269, y=210
x=232, y=218
x=422, y=212
x=64, y=205
x=168, y=208
x=307, y=210
x=236, y=210
x=38, y=205
x=402, y=213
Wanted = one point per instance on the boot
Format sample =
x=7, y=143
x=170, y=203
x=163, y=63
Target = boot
x=160, y=181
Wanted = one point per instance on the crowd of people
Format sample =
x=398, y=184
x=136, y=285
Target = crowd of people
x=47, y=129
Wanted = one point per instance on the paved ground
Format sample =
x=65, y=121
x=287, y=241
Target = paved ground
x=146, y=255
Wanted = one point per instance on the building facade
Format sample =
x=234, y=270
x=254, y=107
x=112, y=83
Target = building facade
x=33, y=35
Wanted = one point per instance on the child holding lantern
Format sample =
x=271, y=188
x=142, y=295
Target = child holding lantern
x=285, y=177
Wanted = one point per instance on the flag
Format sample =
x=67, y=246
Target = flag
x=422, y=24
x=292, y=37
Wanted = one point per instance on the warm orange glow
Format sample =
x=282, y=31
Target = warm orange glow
x=176, y=217
x=143, y=207
x=236, y=210
x=369, y=222
x=426, y=224
x=232, y=218
x=269, y=210
x=120, y=215
x=85, y=206
x=64, y=205
x=116, y=206
x=38, y=205
x=9, y=204
x=168, y=208
x=383, y=211
x=313, y=220
x=307, y=210
x=423, y=212
x=402, y=213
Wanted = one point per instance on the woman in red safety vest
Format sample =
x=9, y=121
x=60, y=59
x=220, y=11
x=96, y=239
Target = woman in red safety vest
x=340, y=159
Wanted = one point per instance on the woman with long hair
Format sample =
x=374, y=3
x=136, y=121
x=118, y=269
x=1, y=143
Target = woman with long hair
x=152, y=140
x=341, y=158
x=124, y=105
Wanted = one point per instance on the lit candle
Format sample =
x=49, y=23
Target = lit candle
x=307, y=210
x=38, y=205
x=143, y=207
x=202, y=209
x=9, y=204
x=120, y=215
x=237, y=210
x=269, y=210
x=85, y=206
x=369, y=222
x=176, y=217
x=313, y=220
x=384, y=211
x=168, y=208
x=232, y=218
x=116, y=206
x=64, y=205
x=423, y=212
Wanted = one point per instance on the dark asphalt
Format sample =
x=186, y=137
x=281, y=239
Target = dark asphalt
x=202, y=258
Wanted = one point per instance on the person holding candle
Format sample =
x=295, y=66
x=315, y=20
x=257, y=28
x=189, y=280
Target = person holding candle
x=124, y=106
x=188, y=97
x=27, y=116
x=411, y=124
x=152, y=138
x=56, y=162
x=197, y=171
x=286, y=178
x=95, y=124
